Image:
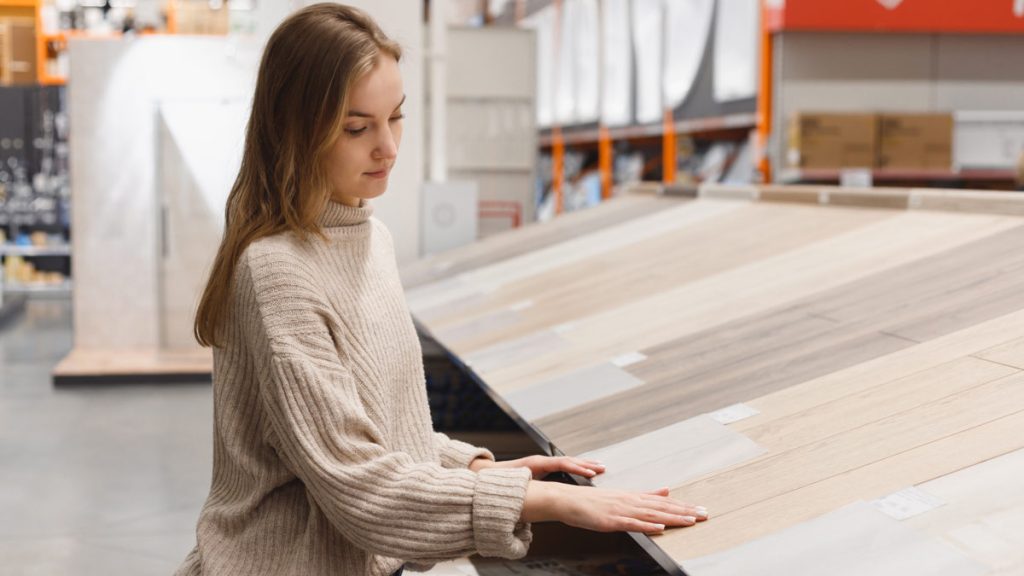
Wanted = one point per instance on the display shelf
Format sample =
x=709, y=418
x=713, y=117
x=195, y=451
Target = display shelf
x=14, y=250
x=795, y=176
x=694, y=126
x=57, y=289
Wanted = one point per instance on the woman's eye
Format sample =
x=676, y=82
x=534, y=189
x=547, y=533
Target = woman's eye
x=355, y=131
x=397, y=118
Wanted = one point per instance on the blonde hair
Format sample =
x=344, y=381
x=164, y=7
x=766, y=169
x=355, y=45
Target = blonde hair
x=308, y=69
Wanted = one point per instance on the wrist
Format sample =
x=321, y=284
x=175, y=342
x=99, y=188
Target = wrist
x=480, y=463
x=545, y=501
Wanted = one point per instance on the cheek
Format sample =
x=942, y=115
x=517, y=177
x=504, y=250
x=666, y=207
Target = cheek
x=346, y=158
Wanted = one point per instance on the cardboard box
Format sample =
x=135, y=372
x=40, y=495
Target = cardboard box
x=915, y=141
x=987, y=140
x=832, y=141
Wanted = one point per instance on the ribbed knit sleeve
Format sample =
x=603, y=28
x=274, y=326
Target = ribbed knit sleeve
x=382, y=500
x=457, y=454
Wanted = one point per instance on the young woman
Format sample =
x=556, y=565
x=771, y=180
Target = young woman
x=324, y=457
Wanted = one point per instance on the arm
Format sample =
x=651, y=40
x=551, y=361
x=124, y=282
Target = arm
x=457, y=454
x=382, y=501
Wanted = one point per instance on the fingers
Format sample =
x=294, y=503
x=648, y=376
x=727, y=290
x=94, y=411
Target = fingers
x=578, y=466
x=658, y=492
x=671, y=506
x=626, y=524
x=666, y=518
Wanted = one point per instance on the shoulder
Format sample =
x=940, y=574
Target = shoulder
x=278, y=266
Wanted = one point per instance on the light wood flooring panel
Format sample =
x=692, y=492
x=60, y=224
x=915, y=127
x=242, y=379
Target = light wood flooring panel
x=751, y=289
x=878, y=357
x=982, y=512
x=672, y=455
x=855, y=540
x=875, y=479
x=802, y=454
x=609, y=280
x=615, y=418
x=903, y=364
x=1010, y=353
x=757, y=355
x=571, y=390
x=532, y=237
x=968, y=201
x=488, y=279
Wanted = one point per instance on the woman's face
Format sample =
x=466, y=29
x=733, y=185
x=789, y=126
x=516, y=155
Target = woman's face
x=360, y=160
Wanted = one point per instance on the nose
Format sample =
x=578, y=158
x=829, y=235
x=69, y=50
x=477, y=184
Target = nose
x=387, y=145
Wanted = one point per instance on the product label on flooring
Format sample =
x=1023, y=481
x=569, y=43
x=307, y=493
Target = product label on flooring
x=907, y=503
x=628, y=359
x=733, y=413
x=563, y=328
x=520, y=306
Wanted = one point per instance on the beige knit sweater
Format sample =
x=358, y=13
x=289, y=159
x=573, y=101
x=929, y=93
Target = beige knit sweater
x=325, y=461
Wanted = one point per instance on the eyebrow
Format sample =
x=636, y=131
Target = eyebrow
x=365, y=115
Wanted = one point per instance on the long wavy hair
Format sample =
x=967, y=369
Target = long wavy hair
x=308, y=69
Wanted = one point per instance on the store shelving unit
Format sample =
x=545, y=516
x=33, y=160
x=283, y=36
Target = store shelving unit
x=708, y=127
x=1008, y=177
x=13, y=250
x=62, y=289
x=10, y=287
x=936, y=49
x=700, y=117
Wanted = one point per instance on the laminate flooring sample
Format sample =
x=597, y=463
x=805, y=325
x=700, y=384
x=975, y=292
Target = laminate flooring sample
x=802, y=370
x=532, y=237
x=852, y=541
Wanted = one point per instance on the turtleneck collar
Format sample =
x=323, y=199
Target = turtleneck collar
x=337, y=215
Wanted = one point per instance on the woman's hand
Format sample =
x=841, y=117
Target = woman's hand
x=608, y=510
x=541, y=466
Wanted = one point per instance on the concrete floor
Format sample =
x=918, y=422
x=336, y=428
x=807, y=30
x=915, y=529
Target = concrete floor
x=108, y=480
x=94, y=480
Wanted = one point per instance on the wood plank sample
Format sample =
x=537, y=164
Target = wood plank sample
x=531, y=237
x=752, y=289
x=672, y=455
x=982, y=512
x=921, y=464
x=867, y=350
x=570, y=390
x=855, y=540
x=829, y=331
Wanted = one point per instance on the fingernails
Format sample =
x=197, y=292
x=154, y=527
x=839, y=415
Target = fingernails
x=689, y=519
x=591, y=473
x=660, y=527
x=702, y=511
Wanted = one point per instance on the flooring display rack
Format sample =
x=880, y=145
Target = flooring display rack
x=837, y=374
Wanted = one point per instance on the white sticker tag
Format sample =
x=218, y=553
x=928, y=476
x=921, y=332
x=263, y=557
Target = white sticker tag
x=563, y=328
x=733, y=413
x=520, y=306
x=628, y=359
x=907, y=503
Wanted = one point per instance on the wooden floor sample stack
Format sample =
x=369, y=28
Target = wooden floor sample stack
x=795, y=359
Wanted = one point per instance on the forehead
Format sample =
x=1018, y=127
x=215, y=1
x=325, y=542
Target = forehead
x=380, y=90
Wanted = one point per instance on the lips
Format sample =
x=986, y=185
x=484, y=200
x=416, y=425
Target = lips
x=382, y=173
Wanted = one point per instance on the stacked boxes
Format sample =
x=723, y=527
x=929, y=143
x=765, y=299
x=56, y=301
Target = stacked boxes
x=915, y=141
x=886, y=141
x=823, y=141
